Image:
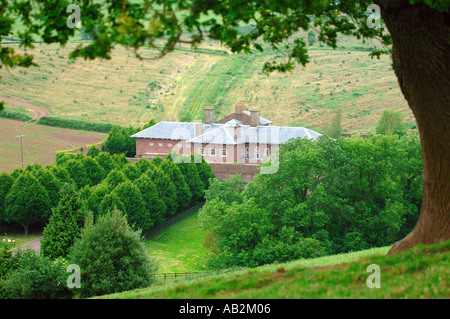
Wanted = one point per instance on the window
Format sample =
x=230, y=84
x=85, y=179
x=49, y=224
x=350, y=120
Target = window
x=160, y=144
x=267, y=152
x=170, y=144
x=257, y=152
x=202, y=151
x=213, y=152
x=224, y=152
x=247, y=155
x=151, y=144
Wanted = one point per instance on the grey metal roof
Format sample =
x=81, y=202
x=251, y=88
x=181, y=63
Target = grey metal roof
x=224, y=133
x=262, y=121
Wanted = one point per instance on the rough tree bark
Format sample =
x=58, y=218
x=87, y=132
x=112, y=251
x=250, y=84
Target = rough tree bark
x=421, y=61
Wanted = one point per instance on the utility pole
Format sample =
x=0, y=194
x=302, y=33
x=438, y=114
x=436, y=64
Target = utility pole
x=21, y=146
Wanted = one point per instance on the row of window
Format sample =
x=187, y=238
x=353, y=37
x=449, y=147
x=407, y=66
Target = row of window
x=212, y=151
x=161, y=144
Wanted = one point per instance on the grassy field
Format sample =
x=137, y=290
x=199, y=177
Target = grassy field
x=40, y=143
x=125, y=90
x=180, y=247
x=421, y=272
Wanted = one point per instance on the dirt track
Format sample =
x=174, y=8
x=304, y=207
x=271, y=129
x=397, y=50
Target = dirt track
x=38, y=110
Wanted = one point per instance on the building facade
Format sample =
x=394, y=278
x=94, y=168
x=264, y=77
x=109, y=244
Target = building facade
x=242, y=137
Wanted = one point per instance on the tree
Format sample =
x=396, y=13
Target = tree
x=51, y=183
x=155, y=206
x=120, y=142
x=181, y=186
x=204, y=170
x=111, y=256
x=165, y=187
x=37, y=277
x=134, y=205
x=415, y=32
x=27, y=202
x=335, y=128
x=6, y=182
x=311, y=38
x=65, y=224
x=391, y=122
x=93, y=151
x=114, y=178
x=94, y=171
x=196, y=186
x=77, y=172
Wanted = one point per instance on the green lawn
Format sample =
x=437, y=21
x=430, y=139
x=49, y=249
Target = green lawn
x=19, y=237
x=180, y=247
x=421, y=272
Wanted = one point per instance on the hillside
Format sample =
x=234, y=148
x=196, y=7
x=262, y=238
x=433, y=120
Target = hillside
x=129, y=91
x=421, y=272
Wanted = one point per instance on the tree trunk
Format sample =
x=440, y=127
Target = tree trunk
x=421, y=61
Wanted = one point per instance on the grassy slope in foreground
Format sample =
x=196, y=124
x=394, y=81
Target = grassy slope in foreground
x=421, y=272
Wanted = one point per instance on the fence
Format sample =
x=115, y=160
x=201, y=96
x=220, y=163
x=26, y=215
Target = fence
x=174, y=275
x=173, y=220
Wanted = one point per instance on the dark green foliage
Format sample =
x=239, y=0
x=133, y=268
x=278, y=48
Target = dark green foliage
x=155, y=206
x=27, y=202
x=112, y=257
x=6, y=182
x=64, y=225
x=75, y=124
x=176, y=176
x=77, y=172
x=328, y=196
x=193, y=180
x=94, y=171
x=37, y=277
x=93, y=151
x=134, y=205
x=51, y=183
x=204, y=170
x=109, y=203
x=15, y=116
x=131, y=171
x=119, y=139
x=114, y=178
x=106, y=162
x=166, y=188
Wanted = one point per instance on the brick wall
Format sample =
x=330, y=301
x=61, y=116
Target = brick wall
x=224, y=171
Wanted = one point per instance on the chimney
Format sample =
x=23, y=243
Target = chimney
x=239, y=108
x=198, y=128
x=209, y=115
x=254, y=117
x=237, y=132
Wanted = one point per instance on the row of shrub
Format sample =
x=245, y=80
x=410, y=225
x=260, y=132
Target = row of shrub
x=15, y=116
x=81, y=189
x=75, y=124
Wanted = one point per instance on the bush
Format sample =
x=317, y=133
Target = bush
x=112, y=257
x=37, y=277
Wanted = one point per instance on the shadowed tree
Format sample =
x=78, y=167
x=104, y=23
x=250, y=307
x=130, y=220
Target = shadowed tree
x=415, y=32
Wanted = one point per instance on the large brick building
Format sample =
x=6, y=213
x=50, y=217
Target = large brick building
x=242, y=137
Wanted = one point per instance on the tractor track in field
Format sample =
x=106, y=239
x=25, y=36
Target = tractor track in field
x=38, y=112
